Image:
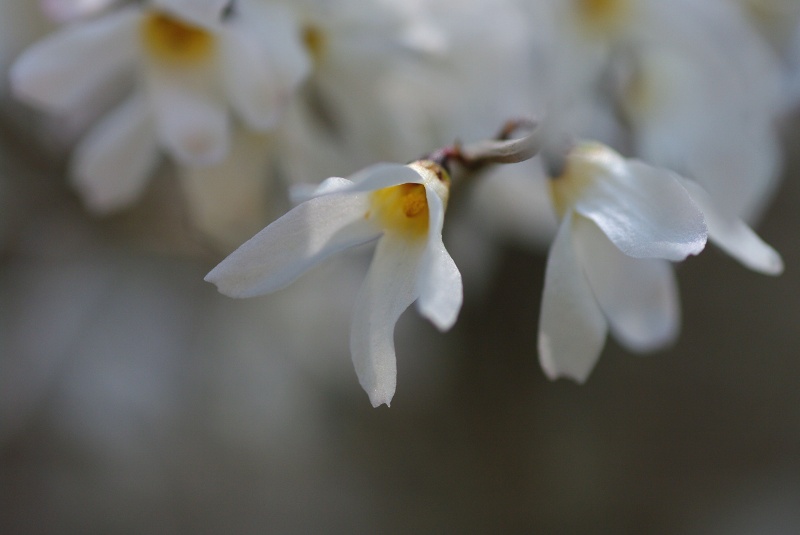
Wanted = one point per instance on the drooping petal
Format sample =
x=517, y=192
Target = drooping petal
x=639, y=296
x=207, y=13
x=572, y=328
x=294, y=243
x=389, y=288
x=733, y=236
x=112, y=163
x=61, y=71
x=439, y=281
x=645, y=212
x=191, y=117
x=264, y=62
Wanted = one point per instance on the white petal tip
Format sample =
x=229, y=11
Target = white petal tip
x=443, y=322
x=380, y=398
x=225, y=287
x=555, y=375
x=553, y=371
x=773, y=265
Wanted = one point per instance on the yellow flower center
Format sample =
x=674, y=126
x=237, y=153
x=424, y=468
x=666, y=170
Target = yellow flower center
x=404, y=208
x=602, y=16
x=171, y=40
x=316, y=42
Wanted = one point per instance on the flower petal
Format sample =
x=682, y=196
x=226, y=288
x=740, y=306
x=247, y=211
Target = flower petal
x=645, y=212
x=383, y=175
x=374, y=177
x=191, y=118
x=294, y=243
x=572, y=328
x=639, y=296
x=112, y=163
x=264, y=62
x=733, y=236
x=390, y=287
x=61, y=71
x=439, y=281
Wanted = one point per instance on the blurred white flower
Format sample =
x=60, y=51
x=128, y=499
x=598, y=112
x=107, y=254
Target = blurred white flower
x=404, y=207
x=191, y=66
x=694, y=88
x=620, y=221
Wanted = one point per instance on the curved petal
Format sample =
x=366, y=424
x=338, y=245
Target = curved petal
x=263, y=66
x=645, y=212
x=374, y=177
x=733, y=236
x=439, y=281
x=293, y=244
x=112, y=163
x=639, y=296
x=389, y=288
x=191, y=118
x=61, y=71
x=382, y=175
x=572, y=328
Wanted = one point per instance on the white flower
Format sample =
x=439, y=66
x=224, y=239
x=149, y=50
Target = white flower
x=191, y=66
x=404, y=207
x=663, y=64
x=621, y=220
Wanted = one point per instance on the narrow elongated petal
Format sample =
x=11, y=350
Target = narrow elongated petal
x=294, y=243
x=191, y=118
x=572, y=328
x=439, y=281
x=263, y=64
x=645, y=212
x=733, y=236
x=390, y=287
x=61, y=71
x=639, y=296
x=112, y=163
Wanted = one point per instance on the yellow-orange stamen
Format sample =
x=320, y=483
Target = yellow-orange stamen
x=402, y=208
x=168, y=39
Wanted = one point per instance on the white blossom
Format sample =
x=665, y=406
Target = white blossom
x=691, y=86
x=404, y=207
x=621, y=221
x=190, y=68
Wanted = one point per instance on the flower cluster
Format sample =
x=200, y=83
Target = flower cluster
x=248, y=98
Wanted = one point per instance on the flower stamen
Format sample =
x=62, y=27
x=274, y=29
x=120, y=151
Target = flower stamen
x=171, y=40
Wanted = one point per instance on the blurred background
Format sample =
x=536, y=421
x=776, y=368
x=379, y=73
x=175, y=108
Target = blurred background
x=136, y=399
